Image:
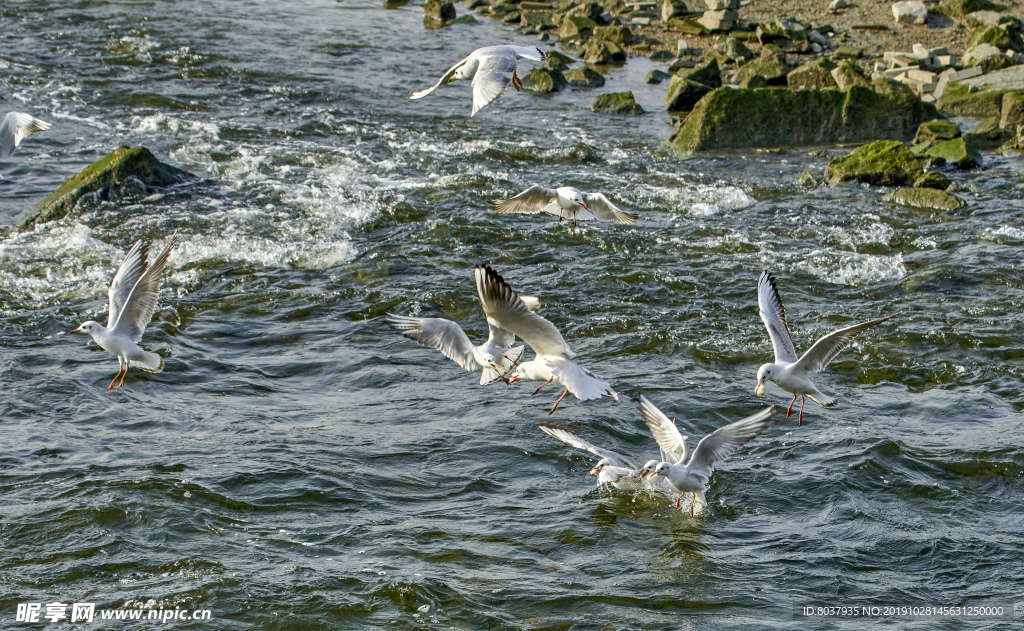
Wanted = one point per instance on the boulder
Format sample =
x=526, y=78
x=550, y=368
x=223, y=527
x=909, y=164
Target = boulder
x=601, y=52
x=584, y=77
x=933, y=179
x=736, y=50
x=615, y=34
x=753, y=82
x=938, y=129
x=774, y=72
x=576, y=27
x=125, y=172
x=814, y=75
x=849, y=52
x=849, y=73
x=979, y=19
x=910, y=12
x=538, y=19
x=687, y=26
x=616, y=103
x=961, y=8
x=718, y=20
x=708, y=74
x=544, y=80
x=437, y=13
x=1003, y=37
x=883, y=162
x=956, y=152
x=982, y=96
x=657, y=76
x=926, y=198
x=883, y=85
x=988, y=57
x=729, y=118
x=591, y=10
x=672, y=9
x=683, y=94
x=988, y=134
x=557, y=61
x=807, y=180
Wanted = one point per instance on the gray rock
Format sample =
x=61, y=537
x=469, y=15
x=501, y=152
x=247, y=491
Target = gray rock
x=616, y=103
x=584, y=77
x=910, y=12
x=718, y=20
x=672, y=9
x=926, y=198
x=657, y=76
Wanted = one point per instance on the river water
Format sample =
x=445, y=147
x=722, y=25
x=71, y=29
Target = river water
x=298, y=465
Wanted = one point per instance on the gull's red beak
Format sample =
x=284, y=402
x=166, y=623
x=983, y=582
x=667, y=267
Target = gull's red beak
x=595, y=471
x=77, y=331
x=654, y=474
x=584, y=204
x=645, y=473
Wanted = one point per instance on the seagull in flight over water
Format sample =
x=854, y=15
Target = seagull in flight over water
x=564, y=202
x=133, y=294
x=487, y=67
x=692, y=476
x=14, y=129
x=787, y=372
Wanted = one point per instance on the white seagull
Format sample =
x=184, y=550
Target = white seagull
x=133, y=294
x=787, y=372
x=497, y=356
x=612, y=468
x=15, y=128
x=693, y=476
x=553, y=361
x=487, y=66
x=564, y=202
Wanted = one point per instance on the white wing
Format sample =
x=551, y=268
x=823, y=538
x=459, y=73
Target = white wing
x=604, y=209
x=665, y=432
x=488, y=82
x=448, y=77
x=131, y=270
x=141, y=301
x=567, y=437
x=721, y=443
x=531, y=201
x=15, y=128
x=773, y=314
x=580, y=381
x=506, y=310
x=819, y=355
x=617, y=476
x=444, y=335
x=529, y=52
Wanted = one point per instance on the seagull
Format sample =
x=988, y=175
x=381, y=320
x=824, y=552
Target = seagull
x=14, y=129
x=564, y=202
x=692, y=477
x=613, y=468
x=553, y=361
x=789, y=373
x=496, y=356
x=133, y=294
x=487, y=67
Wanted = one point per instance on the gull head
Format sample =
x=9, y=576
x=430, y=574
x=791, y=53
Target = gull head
x=600, y=465
x=660, y=469
x=89, y=327
x=764, y=374
x=648, y=468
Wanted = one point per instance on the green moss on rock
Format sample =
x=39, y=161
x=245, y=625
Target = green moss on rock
x=938, y=129
x=933, y=179
x=959, y=99
x=683, y=94
x=814, y=75
x=927, y=198
x=988, y=134
x=729, y=118
x=437, y=13
x=614, y=34
x=956, y=152
x=849, y=73
x=544, y=80
x=584, y=77
x=884, y=162
x=616, y=103
x=772, y=70
x=707, y=74
x=125, y=167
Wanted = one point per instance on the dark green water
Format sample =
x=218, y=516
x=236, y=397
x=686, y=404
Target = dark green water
x=297, y=465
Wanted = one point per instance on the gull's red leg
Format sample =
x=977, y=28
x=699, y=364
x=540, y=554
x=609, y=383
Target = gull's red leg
x=800, y=421
x=555, y=406
x=789, y=411
x=692, y=502
x=114, y=380
x=125, y=374
x=678, y=499
x=542, y=385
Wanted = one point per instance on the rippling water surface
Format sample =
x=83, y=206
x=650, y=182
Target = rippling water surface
x=297, y=465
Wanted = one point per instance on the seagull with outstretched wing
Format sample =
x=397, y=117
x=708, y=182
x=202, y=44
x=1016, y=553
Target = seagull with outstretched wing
x=14, y=129
x=564, y=202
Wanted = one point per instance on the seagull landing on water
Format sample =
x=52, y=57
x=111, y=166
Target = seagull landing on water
x=15, y=128
x=497, y=356
x=789, y=373
x=692, y=476
x=133, y=294
x=565, y=202
x=553, y=362
x=487, y=67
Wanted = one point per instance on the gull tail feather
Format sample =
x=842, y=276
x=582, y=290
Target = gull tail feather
x=823, y=400
x=150, y=362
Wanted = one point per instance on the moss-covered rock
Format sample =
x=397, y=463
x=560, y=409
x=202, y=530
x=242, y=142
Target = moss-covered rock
x=814, y=75
x=437, y=13
x=707, y=74
x=683, y=94
x=1003, y=37
x=960, y=8
x=577, y=27
x=938, y=129
x=616, y=103
x=773, y=71
x=615, y=34
x=538, y=19
x=126, y=170
x=1012, y=110
x=988, y=134
x=807, y=180
x=884, y=85
x=603, y=52
x=959, y=99
x=849, y=52
x=933, y=179
x=544, y=80
x=956, y=152
x=849, y=73
x=730, y=118
x=657, y=76
x=584, y=77
x=787, y=34
x=927, y=198
x=884, y=162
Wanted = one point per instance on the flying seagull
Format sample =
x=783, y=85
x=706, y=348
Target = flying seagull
x=692, y=476
x=564, y=202
x=497, y=356
x=553, y=361
x=488, y=67
x=612, y=468
x=133, y=294
x=789, y=373
x=14, y=129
